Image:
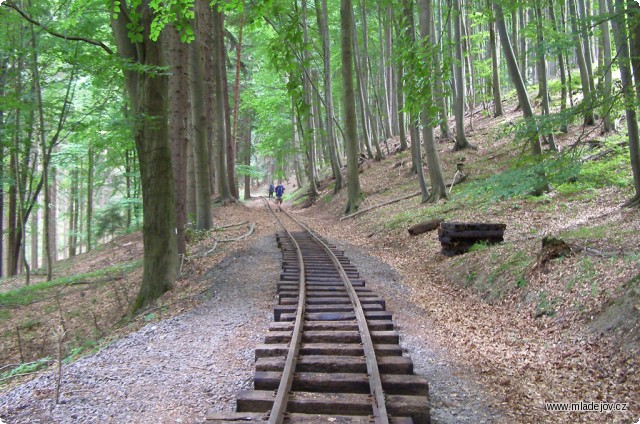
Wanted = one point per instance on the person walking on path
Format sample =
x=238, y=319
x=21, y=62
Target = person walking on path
x=279, y=193
x=271, y=190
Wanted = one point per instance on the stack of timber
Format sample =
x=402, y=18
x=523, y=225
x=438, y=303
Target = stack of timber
x=458, y=237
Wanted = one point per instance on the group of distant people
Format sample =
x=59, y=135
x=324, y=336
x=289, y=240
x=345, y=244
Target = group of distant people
x=278, y=190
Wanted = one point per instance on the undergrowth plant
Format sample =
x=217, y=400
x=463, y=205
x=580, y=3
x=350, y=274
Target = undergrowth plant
x=28, y=294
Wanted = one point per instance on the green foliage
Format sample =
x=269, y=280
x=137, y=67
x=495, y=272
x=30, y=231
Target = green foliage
x=523, y=179
x=418, y=61
x=26, y=368
x=251, y=171
x=507, y=273
x=611, y=170
x=28, y=294
x=83, y=347
x=595, y=232
x=545, y=306
x=111, y=219
x=194, y=235
x=4, y=315
x=478, y=246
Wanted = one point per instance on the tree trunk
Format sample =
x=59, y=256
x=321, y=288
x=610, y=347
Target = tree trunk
x=231, y=142
x=191, y=181
x=309, y=133
x=400, y=102
x=148, y=98
x=246, y=136
x=3, y=73
x=236, y=103
x=382, y=93
x=178, y=134
x=606, y=56
x=516, y=78
x=514, y=31
x=90, y=170
x=438, y=187
x=461, y=138
x=53, y=187
x=13, y=231
x=73, y=213
x=414, y=117
x=471, y=77
x=321, y=16
x=46, y=156
x=34, y=240
x=221, y=135
x=619, y=26
x=523, y=44
x=199, y=114
x=584, y=76
x=561, y=64
x=445, y=131
x=495, y=76
x=586, y=39
x=542, y=72
x=364, y=75
x=322, y=150
x=390, y=73
x=633, y=12
x=301, y=179
x=362, y=99
x=349, y=105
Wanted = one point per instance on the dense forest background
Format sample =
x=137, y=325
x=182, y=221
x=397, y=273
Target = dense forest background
x=118, y=115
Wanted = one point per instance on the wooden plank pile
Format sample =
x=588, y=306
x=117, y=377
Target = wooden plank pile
x=458, y=237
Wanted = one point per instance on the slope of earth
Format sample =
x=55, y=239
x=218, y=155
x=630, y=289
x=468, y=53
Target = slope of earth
x=193, y=351
x=537, y=328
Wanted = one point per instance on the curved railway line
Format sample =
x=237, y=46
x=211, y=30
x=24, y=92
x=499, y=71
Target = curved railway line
x=332, y=354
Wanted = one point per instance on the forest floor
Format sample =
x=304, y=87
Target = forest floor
x=498, y=331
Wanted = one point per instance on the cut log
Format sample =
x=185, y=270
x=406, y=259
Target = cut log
x=458, y=237
x=467, y=226
x=424, y=227
x=473, y=234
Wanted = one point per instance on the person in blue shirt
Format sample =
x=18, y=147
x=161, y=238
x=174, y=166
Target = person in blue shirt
x=271, y=190
x=279, y=193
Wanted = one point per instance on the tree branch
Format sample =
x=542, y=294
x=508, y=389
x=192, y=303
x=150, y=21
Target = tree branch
x=408, y=196
x=57, y=34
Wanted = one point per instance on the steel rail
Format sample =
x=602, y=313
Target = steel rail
x=375, y=382
x=276, y=416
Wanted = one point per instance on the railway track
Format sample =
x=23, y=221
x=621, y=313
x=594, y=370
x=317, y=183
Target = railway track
x=332, y=354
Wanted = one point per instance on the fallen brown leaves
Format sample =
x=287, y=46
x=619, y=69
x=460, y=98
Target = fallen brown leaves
x=485, y=316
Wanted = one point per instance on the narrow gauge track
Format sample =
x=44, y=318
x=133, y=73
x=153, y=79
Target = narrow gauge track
x=332, y=353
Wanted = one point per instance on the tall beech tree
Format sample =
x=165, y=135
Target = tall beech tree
x=438, y=187
x=323, y=27
x=349, y=106
x=147, y=90
x=516, y=77
x=620, y=34
x=460, y=79
x=200, y=117
x=178, y=59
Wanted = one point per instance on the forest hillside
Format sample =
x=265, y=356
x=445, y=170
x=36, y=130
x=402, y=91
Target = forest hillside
x=136, y=137
x=531, y=325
